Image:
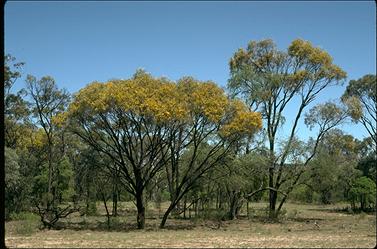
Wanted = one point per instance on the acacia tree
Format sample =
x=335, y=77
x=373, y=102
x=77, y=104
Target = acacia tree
x=269, y=79
x=129, y=121
x=144, y=123
x=361, y=99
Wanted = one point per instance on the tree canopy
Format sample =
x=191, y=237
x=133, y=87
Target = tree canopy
x=268, y=79
x=133, y=121
x=361, y=99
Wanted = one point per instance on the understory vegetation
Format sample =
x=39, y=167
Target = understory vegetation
x=301, y=225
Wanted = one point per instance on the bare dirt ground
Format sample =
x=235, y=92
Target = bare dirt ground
x=303, y=226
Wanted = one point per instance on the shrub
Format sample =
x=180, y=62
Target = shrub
x=292, y=214
x=92, y=208
x=24, y=216
x=26, y=223
x=302, y=194
x=27, y=227
x=211, y=214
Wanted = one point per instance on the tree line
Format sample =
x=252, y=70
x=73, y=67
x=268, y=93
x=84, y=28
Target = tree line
x=191, y=143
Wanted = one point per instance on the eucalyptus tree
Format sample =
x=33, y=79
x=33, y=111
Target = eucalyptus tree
x=16, y=109
x=361, y=99
x=333, y=169
x=269, y=80
x=47, y=102
x=15, y=135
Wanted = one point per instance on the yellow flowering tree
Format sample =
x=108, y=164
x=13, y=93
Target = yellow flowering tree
x=139, y=123
x=212, y=125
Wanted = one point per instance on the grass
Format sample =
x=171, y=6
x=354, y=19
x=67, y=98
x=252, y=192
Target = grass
x=302, y=226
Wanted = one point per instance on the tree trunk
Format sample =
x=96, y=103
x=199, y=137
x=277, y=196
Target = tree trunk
x=273, y=199
x=217, y=200
x=107, y=210
x=196, y=208
x=247, y=209
x=50, y=191
x=362, y=203
x=232, y=211
x=115, y=200
x=235, y=205
x=166, y=215
x=87, y=200
x=184, y=207
x=220, y=201
x=140, y=210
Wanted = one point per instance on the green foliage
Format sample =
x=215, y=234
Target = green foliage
x=12, y=169
x=24, y=216
x=186, y=140
x=48, y=100
x=15, y=106
x=65, y=180
x=269, y=79
x=41, y=182
x=13, y=184
x=92, y=208
x=302, y=194
x=324, y=175
x=368, y=162
x=363, y=191
x=334, y=167
x=26, y=223
x=213, y=214
x=325, y=115
x=361, y=100
x=368, y=167
x=27, y=227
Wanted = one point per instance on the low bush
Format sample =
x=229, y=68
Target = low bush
x=24, y=216
x=25, y=223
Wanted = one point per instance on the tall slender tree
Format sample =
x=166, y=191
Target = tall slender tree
x=47, y=103
x=269, y=79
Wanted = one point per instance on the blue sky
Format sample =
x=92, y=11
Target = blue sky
x=80, y=42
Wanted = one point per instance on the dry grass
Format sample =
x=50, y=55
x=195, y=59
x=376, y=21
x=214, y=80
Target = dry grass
x=304, y=226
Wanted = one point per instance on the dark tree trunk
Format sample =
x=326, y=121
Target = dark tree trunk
x=247, y=209
x=196, y=208
x=273, y=199
x=220, y=201
x=166, y=215
x=115, y=205
x=362, y=203
x=115, y=201
x=107, y=210
x=50, y=169
x=217, y=200
x=234, y=205
x=184, y=207
x=140, y=210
